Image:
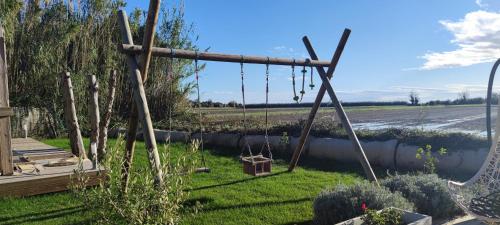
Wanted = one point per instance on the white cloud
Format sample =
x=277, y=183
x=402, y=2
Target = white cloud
x=481, y=4
x=477, y=37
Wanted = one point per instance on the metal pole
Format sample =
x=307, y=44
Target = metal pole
x=488, y=100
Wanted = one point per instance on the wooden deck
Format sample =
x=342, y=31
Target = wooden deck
x=41, y=168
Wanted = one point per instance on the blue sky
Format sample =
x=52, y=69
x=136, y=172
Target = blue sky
x=435, y=48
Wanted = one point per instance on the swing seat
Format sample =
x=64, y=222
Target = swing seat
x=257, y=165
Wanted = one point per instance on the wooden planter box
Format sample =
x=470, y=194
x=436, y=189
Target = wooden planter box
x=409, y=218
x=259, y=166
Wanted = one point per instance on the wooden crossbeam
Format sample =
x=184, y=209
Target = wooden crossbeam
x=220, y=57
x=343, y=118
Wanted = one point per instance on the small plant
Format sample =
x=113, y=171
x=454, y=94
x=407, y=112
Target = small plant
x=346, y=202
x=144, y=202
x=390, y=216
x=284, y=138
x=430, y=159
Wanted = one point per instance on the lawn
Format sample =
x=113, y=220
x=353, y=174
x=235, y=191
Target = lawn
x=228, y=196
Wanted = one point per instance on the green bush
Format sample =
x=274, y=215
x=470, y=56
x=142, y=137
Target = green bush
x=428, y=192
x=144, y=202
x=345, y=202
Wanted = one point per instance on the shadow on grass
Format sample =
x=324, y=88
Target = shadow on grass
x=258, y=204
x=308, y=222
x=237, y=181
x=40, y=216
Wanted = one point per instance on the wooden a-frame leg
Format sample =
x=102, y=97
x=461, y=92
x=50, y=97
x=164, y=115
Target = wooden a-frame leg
x=307, y=128
x=343, y=118
x=141, y=102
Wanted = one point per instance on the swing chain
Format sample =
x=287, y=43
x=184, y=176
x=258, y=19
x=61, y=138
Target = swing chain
x=311, y=84
x=171, y=93
x=200, y=117
x=267, y=145
x=246, y=145
x=295, y=97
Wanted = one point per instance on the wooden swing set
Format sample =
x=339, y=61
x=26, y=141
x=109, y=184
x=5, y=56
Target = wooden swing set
x=138, y=58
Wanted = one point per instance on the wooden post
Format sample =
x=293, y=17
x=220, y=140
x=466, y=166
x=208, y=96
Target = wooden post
x=6, y=166
x=322, y=90
x=103, y=126
x=74, y=134
x=93, y=108
x=343, y=118
x=133, y=122
x=142, y=107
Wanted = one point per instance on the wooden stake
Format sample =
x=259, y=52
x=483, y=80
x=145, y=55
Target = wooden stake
x=142, y=107
x=74, y=134
x=6, y=166
x=343, y=118
x=93, y=108
x=319, y=97
x=103, y=126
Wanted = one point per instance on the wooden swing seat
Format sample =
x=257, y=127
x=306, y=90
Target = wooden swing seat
x=257, y=165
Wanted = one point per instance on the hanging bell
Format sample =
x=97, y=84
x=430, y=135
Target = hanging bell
x=296, y=98
x=311, y=86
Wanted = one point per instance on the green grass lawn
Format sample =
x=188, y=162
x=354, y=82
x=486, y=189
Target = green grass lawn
x=228, y=196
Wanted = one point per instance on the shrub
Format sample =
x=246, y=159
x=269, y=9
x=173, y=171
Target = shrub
x=144, y=202
x=390, y=216
x=428, y=192
x=345, y=202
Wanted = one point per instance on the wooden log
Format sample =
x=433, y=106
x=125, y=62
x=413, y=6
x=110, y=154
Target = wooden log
x=343, y=118
x=133, y=122
x=6, y=166
x=141, y=103
x=148, y=38
x=103, y=126
x=219, y=57
x=319, y=97
x=74, y=134
x=93, y=108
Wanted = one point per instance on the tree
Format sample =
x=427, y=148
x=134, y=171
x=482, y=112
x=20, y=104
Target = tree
x=414, y=99
x=46, y=38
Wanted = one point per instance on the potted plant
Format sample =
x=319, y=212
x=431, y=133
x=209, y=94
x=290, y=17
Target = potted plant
x=389, y=216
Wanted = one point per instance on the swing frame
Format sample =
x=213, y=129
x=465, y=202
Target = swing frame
x=132, y=51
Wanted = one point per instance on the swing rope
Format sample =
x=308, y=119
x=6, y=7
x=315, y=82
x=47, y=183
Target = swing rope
x=246, y=145
x=302, y=92
x=267, y=145
x=295, y=97
x=200, y=117
x=171, y=92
